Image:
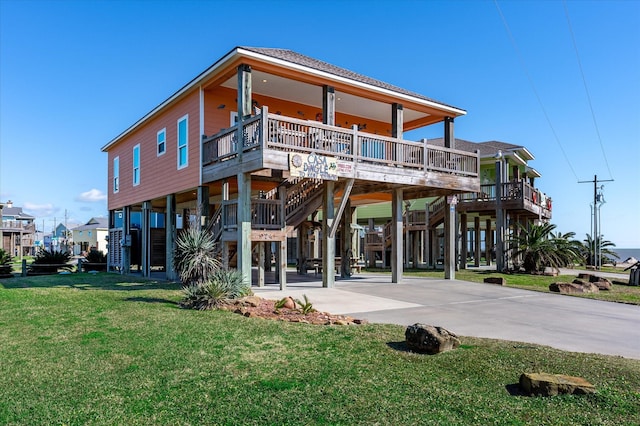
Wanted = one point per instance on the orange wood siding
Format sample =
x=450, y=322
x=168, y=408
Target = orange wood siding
x=217, y=119
x=159, y=175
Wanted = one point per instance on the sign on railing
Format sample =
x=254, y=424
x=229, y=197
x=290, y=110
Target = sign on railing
x=313, y=166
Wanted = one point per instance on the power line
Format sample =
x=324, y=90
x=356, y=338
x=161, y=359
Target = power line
x=584, y=81
x=533, y=87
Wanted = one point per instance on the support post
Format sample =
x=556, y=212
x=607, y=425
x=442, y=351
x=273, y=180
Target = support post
x=282, y=258
x=488, y=242
x=244, y=226
x=328, y=241
x=203, y=207
x=261, y=245
x=328, y=105
x=477, y=248
x=465, y=241
x=450, y=240
x=146, y=239
x=170, y=236
x=499, y=217
x=126, y=247
x=396, y=236
x=449, y=139
x=345, y=237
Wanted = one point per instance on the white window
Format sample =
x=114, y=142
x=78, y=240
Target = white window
x=116, y=174
x=183, y=142
x=136, y=165
x=162, y=141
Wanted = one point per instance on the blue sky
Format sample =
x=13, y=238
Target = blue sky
x=74, y=74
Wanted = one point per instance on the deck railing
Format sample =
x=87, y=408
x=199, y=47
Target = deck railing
x=265, y=214
x=280, y=133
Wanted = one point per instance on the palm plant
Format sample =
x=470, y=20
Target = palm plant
x=222, y=285
x=539, y=247
x=601, y=246
x=195, y=257
x=51, y=257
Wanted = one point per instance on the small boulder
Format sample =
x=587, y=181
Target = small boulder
x=600, y=282
x=544, y=384
x=289, y=303
x=573, y=288
x=495, y=280
x=430, y=339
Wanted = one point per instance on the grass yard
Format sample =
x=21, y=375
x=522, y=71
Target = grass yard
x=619, y=293
x=110, y=350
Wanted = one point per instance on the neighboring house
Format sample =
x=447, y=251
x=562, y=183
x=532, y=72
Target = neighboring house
x=18, y=231
x=521, y=204
x=261, y=142
x=91, y=236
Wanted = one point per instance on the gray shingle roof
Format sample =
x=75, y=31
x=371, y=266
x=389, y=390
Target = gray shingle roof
x=299, y=59
x=487, y=149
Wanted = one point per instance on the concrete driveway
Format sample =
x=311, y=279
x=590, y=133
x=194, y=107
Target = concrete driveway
x=479, y=310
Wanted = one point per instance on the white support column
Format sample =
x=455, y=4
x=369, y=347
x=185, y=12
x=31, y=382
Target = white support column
x=283, y=263
x=328, y=241
x=261, y=245
x=396, y=236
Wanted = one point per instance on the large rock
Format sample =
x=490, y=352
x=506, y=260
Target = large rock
x=544, y=384
x=495, y=280
x=573, y=288
x=430, y=339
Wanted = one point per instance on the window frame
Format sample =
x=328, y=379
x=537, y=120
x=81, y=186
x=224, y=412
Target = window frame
x=116, y=175
x=136, y=167
x=162, y=143
x=185, y=145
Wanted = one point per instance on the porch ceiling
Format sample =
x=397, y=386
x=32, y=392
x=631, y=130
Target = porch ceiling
x=274, y=86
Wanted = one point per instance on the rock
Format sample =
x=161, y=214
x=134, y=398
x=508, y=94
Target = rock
x=430, y=339
x=586, y=277
x=340, y=322
x=603, y=285
x=573, y=288
x=289, y=303
x=544, y=384
x=495, y=280
x=253, y=301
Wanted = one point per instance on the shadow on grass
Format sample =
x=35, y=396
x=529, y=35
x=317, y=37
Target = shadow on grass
x=514, y=390
x=399, y=346
x=81, y=281
x=151, y=300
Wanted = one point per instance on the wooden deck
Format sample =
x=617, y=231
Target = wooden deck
x=269, y=140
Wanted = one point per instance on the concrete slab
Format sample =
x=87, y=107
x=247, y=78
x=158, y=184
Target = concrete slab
x=479, y=310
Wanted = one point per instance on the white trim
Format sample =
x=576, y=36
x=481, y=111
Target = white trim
x=268, y=59
x=133, y=163
x=158, y=153
x=116, y=176
x=186, y=145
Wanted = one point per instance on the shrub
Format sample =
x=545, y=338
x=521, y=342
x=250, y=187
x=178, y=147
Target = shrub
x=96, y=256
x=195, y=257
x=5, y=257
x=306, y=307
x=222, y=285
x=51, y=257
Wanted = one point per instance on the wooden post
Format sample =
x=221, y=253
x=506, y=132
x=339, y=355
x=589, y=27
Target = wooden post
x=488, y=242
x=328, y=105
x=428, y=252
x=126, y=233
x=170, y=236
x=282, y=268
x=465, y=241
x=477, y=248
x=302, y=249
x=449, y=139
x=244, y=226
x=396, y=236
x=261, y=245
x=203, y=207
x=345, y=236
x=397, y=128
x=328, y=241
x=146, y=238
x=499, y=218
x=450, y=242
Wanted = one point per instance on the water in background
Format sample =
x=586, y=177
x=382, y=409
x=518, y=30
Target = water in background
x=624, y=254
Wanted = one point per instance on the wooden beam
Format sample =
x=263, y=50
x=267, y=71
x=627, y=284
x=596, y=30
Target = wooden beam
x=328, y=242
x=343, y=203
x=396, y=237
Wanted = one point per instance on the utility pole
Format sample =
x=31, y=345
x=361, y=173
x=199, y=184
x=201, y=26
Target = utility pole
x=597, y=198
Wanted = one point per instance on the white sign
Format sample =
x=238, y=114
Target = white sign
x=313, y=166
x=452, y=199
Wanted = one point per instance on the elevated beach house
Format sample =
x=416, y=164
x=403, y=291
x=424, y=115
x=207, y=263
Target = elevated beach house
x=269, y=142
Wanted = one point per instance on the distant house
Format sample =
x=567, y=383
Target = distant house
x=18, y=231
x=91, y=236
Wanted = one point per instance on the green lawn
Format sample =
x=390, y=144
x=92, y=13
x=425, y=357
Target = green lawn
x=619, y=293
x=80, y=349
